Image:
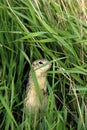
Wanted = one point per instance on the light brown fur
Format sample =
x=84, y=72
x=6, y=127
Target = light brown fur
x=32, y=101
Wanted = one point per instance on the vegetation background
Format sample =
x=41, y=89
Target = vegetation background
x=52, y=29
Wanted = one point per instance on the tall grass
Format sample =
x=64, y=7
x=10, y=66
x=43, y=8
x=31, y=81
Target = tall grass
x=56, y=30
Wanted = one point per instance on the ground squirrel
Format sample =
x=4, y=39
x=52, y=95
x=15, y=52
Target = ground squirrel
x=32, y=101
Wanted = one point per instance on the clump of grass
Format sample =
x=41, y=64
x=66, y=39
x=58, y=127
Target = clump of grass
x=56, y=30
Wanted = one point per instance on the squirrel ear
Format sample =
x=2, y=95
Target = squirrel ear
x=33, y=65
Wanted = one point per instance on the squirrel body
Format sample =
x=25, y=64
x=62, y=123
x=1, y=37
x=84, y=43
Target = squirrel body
x=32, y=101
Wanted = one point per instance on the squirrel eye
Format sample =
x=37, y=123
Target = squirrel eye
x=40, y=62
